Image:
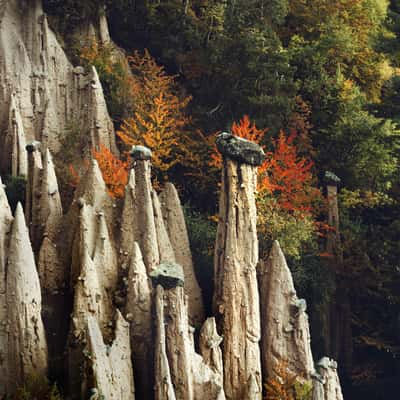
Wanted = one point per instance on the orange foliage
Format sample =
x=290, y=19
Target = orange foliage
x=281, y=386
x=158, y=121
x=114, y=171
x=75, y=178
x=157, y=129
x=288, y=176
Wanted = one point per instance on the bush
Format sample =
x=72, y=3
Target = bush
x=292, y=229
x=74, y=141
x=15, y=190
x=114, y=76
x=37, y=387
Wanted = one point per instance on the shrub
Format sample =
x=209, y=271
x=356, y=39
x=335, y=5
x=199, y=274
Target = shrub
x=114, y=76
x=74, y=141
x=285, y=385
x=37, y=387
x=15, y=187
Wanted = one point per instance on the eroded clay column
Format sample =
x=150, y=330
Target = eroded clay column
x=285, y=329
x=236, y=298
x=326, y=385
x=27, y=347
x=5, y=227
x=138, y=224
x=180, y=372
x=341, y=343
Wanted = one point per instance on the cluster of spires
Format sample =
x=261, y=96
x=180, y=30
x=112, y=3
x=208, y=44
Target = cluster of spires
x=125, y=272
x=104, y=295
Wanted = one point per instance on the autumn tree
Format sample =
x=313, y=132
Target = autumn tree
x=159, y=120
x=288, y=176
x=288, y=201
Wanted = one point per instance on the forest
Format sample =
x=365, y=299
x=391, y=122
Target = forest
x=316, y=84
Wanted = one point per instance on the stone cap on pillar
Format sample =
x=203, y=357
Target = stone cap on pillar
x=33, y=146
x=326, y=363
x=330, y=179
x=140, y=153
x=241, y=150
x=168, y=274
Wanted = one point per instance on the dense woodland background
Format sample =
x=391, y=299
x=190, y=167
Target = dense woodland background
x=317, y=83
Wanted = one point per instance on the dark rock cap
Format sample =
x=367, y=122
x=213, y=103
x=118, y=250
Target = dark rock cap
x=140, y=153
x=331, y=179
x=239, y=149
x=32, y=146
x=168, y=274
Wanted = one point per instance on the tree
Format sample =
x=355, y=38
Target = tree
x=288, y=176
x=158, y=120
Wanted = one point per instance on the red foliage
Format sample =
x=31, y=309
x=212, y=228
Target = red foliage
x=288, y=176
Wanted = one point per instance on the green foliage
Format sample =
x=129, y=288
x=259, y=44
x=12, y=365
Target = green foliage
x=73, y=11
x=291, y=229
x=202, y=232
x=15, y=190
x=303, y=390
x=74, y=141
x=37, y=387
x=113, y=72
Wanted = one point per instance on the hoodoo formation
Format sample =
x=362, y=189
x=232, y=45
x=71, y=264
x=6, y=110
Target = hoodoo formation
x=100, y=293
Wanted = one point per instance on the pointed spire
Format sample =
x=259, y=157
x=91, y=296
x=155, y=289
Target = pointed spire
x=104, y=256
x=27, y=349
x=51, y=207
x=285, y=329
x=5, y=226
x=103, y=28
x=16, y=141
x=176, y=227
x=138, y=222
x=101, y=126
x=236, y=297
x=109, y=368
x=92, y=188
x=164, y=245
x=138, y=312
